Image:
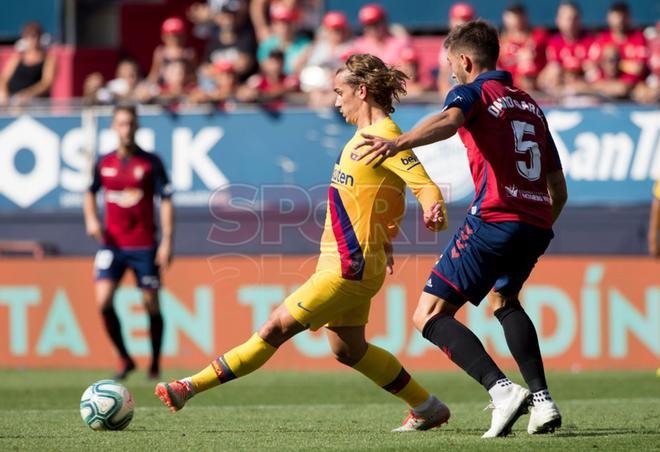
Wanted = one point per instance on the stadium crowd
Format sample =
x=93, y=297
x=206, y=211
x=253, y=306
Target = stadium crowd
x=286, y=51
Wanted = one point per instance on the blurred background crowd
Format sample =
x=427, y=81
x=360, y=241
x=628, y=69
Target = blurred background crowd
x=222, y=53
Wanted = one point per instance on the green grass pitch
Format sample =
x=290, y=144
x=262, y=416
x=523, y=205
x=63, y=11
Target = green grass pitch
x=323, y=410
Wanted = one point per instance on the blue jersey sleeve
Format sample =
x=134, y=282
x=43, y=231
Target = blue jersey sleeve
x=95, y=186
x=463, y=97
x=162, y=186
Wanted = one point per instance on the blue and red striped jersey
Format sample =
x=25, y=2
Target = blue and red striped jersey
x=510, y=150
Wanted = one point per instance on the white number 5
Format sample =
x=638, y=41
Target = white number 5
x=533, y=170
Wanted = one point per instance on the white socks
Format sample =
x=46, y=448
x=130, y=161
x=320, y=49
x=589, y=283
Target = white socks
x=541, y=396
x=500, y=391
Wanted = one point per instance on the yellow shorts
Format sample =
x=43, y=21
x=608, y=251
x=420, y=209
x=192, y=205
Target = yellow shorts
x=328, y=299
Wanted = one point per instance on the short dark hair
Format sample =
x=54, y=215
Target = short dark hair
x=276, y=54
x=570, y=4
x=620, y=7
x=516, y=8
x=479, y=38
x=128, y=108
x=32, y=28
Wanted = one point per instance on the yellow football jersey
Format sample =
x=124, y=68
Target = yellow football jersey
x=656, y=189
x=366, y=204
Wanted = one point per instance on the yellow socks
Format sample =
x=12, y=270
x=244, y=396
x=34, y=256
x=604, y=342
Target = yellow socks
x=237, y=362
x=386, y=371
x=377, y=364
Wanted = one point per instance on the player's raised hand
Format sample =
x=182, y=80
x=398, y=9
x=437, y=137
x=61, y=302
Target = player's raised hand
x=375, y=148
x=434, y=219
x=164, y=255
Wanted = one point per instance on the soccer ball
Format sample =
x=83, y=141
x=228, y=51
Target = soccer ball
x=106, y=405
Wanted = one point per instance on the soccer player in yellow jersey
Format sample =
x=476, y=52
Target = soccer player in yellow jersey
x=365, y=205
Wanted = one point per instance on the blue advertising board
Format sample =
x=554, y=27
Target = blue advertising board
x=610, y=155
x=433, y=14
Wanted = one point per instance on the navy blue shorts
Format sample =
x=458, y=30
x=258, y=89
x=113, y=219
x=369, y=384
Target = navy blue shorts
x=111, y=263
x=483, y=256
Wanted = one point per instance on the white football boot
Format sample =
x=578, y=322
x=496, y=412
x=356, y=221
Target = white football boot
x=544, y=418
x=506, y=412
x=435, y=416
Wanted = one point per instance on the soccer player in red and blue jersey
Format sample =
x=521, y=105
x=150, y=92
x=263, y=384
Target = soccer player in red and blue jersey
x=130, y=178
x=520, y=192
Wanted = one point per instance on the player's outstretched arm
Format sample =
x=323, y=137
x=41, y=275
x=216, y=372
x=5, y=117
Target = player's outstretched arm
x=413, y=174
x=558, y=192
x=436, y=128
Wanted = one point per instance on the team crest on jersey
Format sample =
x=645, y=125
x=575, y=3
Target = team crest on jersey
x=512, y=190
x=138, y=172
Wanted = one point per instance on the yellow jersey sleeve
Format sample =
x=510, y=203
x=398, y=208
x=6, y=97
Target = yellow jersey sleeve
x=407, y=166
x=656, y=189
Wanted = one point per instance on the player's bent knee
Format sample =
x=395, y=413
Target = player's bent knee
x=105, y=291
x=419, y=319
x=349, y=355
x=497, y=301
x=280, y=327
x=428, y=307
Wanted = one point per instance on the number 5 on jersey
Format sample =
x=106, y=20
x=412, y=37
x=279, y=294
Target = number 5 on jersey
x=533, y=171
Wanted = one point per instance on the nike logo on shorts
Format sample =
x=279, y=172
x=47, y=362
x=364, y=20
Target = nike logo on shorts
x=299, y=304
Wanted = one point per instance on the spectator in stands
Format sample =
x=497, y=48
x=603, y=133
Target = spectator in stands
x=332, y=44
x=176, y=87
x=221, y=89
x=327, y=53
x=378, y=38
x=123, y=88
x=271, y=84
x=285, y=38
x=202, y=15
x=567, y=51
x=629, y=44
x=173, y=35
x=649, y=92
x=606, y=78
x=459, y=13
x=309, y=17
x=30, y=71
x=522, y=50
x=232, y=39
x=410, y=67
